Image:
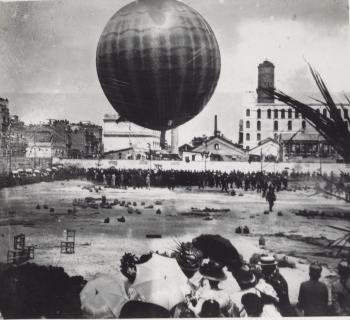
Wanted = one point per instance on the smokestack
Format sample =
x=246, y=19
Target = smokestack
x=162, y=140
x=175, y=141
x=215, y=125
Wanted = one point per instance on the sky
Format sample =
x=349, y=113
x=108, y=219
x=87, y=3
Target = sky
x=48, y=51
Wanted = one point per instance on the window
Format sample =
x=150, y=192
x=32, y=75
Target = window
x=248, y=112
x=289, y=113
x=193, y=157
x=290, y=126
x=275, y=114
x=247, y=124
x=275, y=125
x=324, y=112
x=283, y=114
x=258, y=125
x=258, y=137
x=318, y=111
x=247, y=136
x=303, y=125
x=346, y=113
x=216, y=146
x=259, y=114
x=296, y=114
x=268, y=113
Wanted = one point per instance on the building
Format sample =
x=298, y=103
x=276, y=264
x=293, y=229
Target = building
x=219, y=148
x=264, y=118
x=16, y=137
x=45, y=142
x=124, y=135
x=4, y=124
x=267, y=150
x=85, y=140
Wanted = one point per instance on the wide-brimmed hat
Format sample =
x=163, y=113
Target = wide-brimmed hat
x=266, y=261
x=188, y=257
x=212, y=271
x=245, y=275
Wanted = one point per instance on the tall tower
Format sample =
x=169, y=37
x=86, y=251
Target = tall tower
x=266, y=80
x=174, y=141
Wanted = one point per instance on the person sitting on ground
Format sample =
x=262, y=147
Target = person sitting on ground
x=341, y=291
x=271, y=275
x=313, y=294
x=213, y=274
x=250, y=284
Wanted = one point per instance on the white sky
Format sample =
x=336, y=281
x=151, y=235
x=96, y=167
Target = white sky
x=47, y=54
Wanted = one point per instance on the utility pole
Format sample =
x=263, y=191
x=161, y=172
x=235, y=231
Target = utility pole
x=34, y=144
x=319, y=154
x=9, y=148
x=150, y=156
x=206, y=153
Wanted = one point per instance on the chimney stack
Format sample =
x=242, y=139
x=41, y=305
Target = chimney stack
x=162, y=140
x=215, y=125
x=174, y=141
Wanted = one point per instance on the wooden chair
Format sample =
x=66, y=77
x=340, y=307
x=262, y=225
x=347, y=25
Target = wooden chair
x=68, y=246
x=19, y=242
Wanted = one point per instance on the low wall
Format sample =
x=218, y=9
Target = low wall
x=15, y=163
x=336, y=168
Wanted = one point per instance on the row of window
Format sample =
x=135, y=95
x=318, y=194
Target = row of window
x=289, y=113
x=247, y=136
x=275, y=125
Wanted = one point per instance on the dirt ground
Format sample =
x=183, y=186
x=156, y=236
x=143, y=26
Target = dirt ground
x=100, y=245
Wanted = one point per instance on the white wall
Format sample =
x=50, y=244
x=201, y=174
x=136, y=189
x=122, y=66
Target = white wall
x=122, y=135
x=267, y=125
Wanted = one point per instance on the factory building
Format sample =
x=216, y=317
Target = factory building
x=263, y=119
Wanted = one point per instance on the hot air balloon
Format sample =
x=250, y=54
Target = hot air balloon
x=158, y=63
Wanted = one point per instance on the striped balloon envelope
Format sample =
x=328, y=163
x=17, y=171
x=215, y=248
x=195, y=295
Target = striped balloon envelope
x=158, y=63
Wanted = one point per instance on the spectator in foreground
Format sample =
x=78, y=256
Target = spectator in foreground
x=341, y=291
x=313, y=294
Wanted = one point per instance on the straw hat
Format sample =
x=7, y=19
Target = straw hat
x=266, y=261
x=212, y=271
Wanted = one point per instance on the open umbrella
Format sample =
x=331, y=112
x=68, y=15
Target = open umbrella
x=218, y=249
x=161, y=281
x=103, y=297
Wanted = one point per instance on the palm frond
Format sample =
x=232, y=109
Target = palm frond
x=334, y=128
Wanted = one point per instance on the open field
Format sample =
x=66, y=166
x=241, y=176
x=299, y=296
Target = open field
x=100, y=245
